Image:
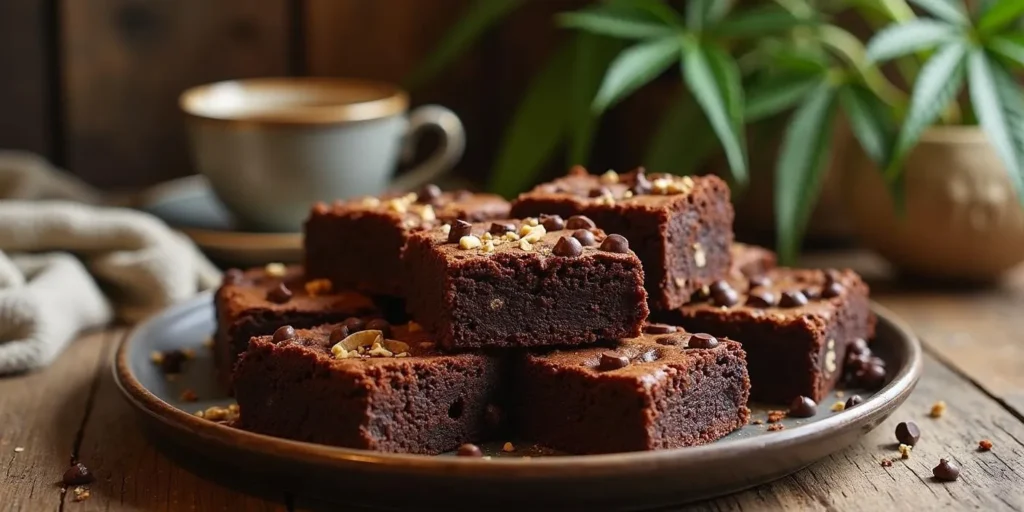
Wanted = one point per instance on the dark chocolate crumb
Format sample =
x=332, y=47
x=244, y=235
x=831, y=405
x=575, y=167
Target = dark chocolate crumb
x=78, y=474
x=459, y=229
x=610, y=361
x=500, y=228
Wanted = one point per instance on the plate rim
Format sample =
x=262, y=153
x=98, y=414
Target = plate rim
x=144, y=401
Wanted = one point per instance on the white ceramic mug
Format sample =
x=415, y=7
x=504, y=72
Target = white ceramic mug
x=271, y=147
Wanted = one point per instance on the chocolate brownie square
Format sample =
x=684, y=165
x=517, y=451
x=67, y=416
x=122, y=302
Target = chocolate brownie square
x=664, y=389
x=680, y=227
x=524, y=283
x=750, y=260
x=796, y=326
x=259, y=300
x=389, y=390
x=358, y=244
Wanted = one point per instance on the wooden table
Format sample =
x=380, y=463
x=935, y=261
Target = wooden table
x=974, y=343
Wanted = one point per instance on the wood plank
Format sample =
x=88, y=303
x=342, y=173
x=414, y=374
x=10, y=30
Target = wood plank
x=132, y=473
x=24, y=87
x=128, y=60
x=40, y=417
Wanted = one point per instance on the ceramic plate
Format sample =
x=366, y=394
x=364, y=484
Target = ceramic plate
x=748, y=457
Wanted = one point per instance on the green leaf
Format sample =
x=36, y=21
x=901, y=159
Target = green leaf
x=613, y=23
x=757, y=22
x=778, y=94
x=944, y=9
x=537, y=127
x=593, y=54
x=657, y=8
x=477, y=19
x=997, y=103
x=634, y=68
x=936, y=86
x=870, y=121
x=999, y=15
x=683, y=139
x=909, y=37
x=798, y=173
x=714, y=80
x=1010, y=47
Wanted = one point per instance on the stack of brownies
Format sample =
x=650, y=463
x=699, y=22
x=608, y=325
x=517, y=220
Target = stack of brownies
x=425, y=321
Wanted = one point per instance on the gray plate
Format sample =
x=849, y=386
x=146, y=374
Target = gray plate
x=750, y=456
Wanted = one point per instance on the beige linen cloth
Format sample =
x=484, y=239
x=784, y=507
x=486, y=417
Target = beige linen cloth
x=68, y=264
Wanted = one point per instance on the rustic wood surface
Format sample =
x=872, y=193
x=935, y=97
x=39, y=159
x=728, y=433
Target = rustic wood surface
x=974, y=357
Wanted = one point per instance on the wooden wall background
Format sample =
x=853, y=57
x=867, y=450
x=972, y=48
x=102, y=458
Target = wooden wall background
x=93, y=84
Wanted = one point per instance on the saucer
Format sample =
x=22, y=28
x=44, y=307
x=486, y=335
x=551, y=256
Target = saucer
x=189, y=204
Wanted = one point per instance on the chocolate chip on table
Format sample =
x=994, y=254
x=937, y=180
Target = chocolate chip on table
x=615, y=243
x=279, y=294
x=676, y=339
x=946, y=471
x=284, y=333
x=908, y=433
x=660, y=329
x=802, y=407
x=610, y=361
x=354, y=324
x=761, y=299
x=459, y=229
x=78, y=474
x=338, y=333
x=600, y=191
x=792, y=299
x=702, y=340
x=233, y=276
x=379, y=324
x=759, y=281
x=567, y=246
x=854, y=400
x=429, y=194
x=552, y=222
x=579, y=222
x=469, y=450
x=500, y=228
x=832, y=289
x=722, y=294
x=585, y=237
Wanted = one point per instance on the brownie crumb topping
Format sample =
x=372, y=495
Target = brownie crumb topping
x=611, y=361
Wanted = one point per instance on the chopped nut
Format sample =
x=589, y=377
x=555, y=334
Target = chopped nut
x=488, y=246
x=447, y=228
x=486, y=236
x=156, y=357
x=680, y=282
x=839, y=406
x=188, y=396
x=497, y=304
x=275, y=269
x=524, y=244
x=605, y=200
x=830, y=357
x=81, y=493
x=984, y=445
x=534, y=234
x=318, y=287
x=610, y=177
x=219, y=414
x=512, y=236
x=380, y=351
x=371, y=202
x=660, y=185
x=840, y=394
x=397, y=205
x=776, y=416
x=508, y=447
x=905, y=451
x=699, y=257
x=403, y=354
x=18, y=449
x=938, y=409
x=469, y=242
x=627, y=194
x=757, y=422
x=427, y=213
x=531, y=221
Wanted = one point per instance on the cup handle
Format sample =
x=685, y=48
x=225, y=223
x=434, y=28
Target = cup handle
x=453, y=144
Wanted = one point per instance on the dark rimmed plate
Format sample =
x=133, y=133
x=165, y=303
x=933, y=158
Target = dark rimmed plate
x=751, y=456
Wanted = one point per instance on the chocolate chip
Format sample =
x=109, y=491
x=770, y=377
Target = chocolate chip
x=500, y=228
x=459, y=229
x=831, y=290
x=615, y=243
x=429, y=194
x=831, y=275
x=722, y=294
x=284, y=333
x=859, y=346
x=907, y=433
x=600, y=191
x=338, y=333
x=585, y=237
x=761, y=281
x=761, y=299
x=679, y=339
x=354, y=324
x=379, y=324
x=802, y=407
x=279, y=294
x=702, y=340
x=660, y=329
x=853, y=400
x=946, y=471
x=567, y=246
x=610, y=361
x=233, y=276
x=580, y=222
x=641, y=185
x=552, y=222
x=470, y=450
x=871, y=376
x=172, y=361
x=812, y=293
x=792, y=299
x=78, y=474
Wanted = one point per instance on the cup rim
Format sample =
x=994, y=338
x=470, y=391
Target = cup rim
x=383, y=100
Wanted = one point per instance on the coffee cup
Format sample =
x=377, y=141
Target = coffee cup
x=270, y=147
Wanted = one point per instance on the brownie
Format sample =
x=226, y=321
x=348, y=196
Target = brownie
x=252, y=303
x=795, y=325
x=750, y=260
x=402, y=396
x=526, y=283
x=358, y=244
x=680, y=227
x=651, y=392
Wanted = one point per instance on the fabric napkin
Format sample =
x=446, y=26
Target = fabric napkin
x=68, y=264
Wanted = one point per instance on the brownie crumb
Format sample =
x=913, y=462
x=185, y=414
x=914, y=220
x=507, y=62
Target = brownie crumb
x=905, y=451
x=938, y=409
x=81, y=493
x=78, y=474
x=318, y=287
x=508, y=447
x=984, y=445
x=886, y=463
x=757, y=422
x=188, y=396
x=776, y=416
x=775, y=427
